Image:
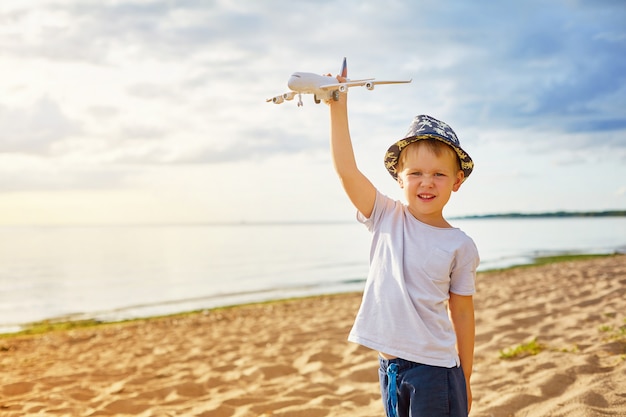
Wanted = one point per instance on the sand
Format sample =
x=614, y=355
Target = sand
x=292, y=359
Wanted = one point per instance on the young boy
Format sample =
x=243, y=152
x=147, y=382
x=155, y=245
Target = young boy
x=417, y=309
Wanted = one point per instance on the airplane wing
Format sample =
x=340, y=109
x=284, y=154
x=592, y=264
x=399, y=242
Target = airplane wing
x=348, y=83
x=276, y=100
x=279, y=99
x=369, y=83
x=390, y=82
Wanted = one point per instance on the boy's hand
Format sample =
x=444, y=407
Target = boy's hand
x=342, y=96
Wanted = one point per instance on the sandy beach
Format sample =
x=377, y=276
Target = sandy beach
x=291, y=358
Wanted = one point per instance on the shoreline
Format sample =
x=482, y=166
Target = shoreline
x=79, y=320
x=291, y=357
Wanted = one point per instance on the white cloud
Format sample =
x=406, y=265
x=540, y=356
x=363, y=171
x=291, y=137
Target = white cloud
x=128, y=87
x=34, y=129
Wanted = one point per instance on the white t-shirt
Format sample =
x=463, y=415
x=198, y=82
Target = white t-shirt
x=413, y=268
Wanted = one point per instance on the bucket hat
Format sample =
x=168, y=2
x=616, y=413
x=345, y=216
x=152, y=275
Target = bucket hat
x=427, y=127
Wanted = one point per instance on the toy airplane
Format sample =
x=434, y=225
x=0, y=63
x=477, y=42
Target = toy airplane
x=324, y=87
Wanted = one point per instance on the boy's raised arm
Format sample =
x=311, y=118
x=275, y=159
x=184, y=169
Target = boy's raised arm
x=358, y=188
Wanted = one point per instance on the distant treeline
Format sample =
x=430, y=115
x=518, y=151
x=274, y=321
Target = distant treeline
x=608, y=213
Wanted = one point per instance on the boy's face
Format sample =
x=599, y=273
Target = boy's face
x=428, y=180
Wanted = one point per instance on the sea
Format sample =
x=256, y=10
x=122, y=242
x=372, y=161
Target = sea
x=111, y=273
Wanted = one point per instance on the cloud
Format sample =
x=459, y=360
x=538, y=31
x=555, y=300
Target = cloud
x=154, y=85
x=36, y=128
x=552, y=62
x=33, y=173
x=556, y=65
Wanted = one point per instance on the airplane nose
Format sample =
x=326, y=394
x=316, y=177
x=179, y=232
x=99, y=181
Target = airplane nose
x=293, y=81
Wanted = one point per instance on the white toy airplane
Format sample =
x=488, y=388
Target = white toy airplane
x=324, y=87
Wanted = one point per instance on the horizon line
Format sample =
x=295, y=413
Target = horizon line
x=509, y=215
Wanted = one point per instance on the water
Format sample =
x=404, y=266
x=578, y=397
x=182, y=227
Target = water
x=112, y=273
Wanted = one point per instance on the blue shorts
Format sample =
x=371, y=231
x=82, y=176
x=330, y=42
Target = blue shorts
x=422, y=390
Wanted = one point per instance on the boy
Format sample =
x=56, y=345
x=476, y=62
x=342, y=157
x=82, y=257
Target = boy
x=418, y=264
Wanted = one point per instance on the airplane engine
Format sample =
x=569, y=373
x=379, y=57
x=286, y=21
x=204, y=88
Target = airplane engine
x=278, y=100
x=369, y=86
x=343, y=88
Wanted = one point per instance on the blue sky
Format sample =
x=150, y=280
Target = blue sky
x=154, y=111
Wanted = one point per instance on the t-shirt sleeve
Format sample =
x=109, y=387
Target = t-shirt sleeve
x=463, y=275
x=382, y=204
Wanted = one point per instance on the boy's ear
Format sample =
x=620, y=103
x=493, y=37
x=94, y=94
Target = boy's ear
x=400, y=183
x=460, y=176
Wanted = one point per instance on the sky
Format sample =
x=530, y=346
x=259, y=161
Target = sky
x=125, y=112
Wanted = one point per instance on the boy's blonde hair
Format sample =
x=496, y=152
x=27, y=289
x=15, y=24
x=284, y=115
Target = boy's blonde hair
x=435, y=146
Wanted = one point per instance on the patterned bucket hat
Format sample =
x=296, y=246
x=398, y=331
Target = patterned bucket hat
x=427, y=127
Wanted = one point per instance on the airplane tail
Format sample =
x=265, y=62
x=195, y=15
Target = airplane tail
x=344, y=69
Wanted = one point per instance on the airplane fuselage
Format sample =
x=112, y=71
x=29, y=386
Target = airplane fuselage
x=310, y=83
